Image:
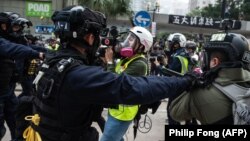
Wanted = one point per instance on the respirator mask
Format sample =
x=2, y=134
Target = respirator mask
x=126, y=48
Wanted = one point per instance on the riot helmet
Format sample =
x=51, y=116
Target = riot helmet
x=74, y=22
x=18, y=25
x=190, y=49
x=5, y=22
x=175, y=40
x=233, y=46
x=177, y=37
x=190, y=46
x=139, y=39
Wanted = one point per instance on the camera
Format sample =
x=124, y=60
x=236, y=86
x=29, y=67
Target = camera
x=152, y=59
x=109, y=41
x=101, y=51
x=160, y=58
x=109, y=36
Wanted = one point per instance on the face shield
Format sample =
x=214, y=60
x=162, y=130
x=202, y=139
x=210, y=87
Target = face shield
x=168, y=45
x=205, y=60
x=190, y=51
x=91, y=51
x=126, y=48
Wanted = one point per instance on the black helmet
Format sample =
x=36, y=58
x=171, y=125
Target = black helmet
x=76, y=21
x=230, y=44
x=7, y=18
x=22, y=22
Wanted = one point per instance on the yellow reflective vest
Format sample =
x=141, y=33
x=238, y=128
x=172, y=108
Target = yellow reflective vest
x=184, y=64
x=125, y=112
x=55, y=49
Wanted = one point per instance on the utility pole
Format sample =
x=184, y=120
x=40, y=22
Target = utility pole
x=223, y=8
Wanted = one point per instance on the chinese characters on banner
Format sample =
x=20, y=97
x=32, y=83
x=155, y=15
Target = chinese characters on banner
x=204, y=22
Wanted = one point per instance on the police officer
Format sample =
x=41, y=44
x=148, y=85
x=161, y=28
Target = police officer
x=178, y=61
x=223, y=65
x=26, y=70
x=8, y=51
x=137, y=43
x=68, y=87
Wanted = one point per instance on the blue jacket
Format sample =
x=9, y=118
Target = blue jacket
x=92, y=85
x=16, y=51
x=84, y=86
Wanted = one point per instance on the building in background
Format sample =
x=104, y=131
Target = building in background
x=178, y=7
x=37, y=11
x=42, y=23
x=199, y=3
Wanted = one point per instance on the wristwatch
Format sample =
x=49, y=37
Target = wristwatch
x=110, y=63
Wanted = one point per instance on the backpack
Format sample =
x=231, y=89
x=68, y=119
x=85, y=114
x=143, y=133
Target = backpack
x=241, y=102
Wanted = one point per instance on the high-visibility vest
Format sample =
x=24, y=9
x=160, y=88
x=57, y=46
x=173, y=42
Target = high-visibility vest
x=125, y=112
x=184, y=64
x=55, y=49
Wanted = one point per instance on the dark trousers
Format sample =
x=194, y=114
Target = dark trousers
x=24, y=107
x=6, y=71
x=10, y=110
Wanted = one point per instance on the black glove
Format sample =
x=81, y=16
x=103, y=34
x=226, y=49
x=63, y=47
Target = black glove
x=196, y=80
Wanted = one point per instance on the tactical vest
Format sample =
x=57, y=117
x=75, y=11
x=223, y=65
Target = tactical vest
x=184, y=64
x=125, y=112
x=48, y=83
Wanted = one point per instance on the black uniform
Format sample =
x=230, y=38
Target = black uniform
x=65, y=100
x=9, y=51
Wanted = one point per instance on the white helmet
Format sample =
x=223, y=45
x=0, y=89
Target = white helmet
x=177, y=37
x=144, y=36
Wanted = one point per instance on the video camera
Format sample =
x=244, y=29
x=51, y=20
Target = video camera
x=109, y=41
x=109, y=36
x=158, y=57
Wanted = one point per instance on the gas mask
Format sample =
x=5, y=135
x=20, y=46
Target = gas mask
x=126, y=48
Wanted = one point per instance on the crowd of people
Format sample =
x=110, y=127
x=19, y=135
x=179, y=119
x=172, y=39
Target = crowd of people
x=66, y=85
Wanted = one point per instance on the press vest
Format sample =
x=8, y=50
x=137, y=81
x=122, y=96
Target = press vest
x=55, y=49
x=125, y=112
x=184, y=64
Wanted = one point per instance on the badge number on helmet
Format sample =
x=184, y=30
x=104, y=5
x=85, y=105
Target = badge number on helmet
x=218, y=37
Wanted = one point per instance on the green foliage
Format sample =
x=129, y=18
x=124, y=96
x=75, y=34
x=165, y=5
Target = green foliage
x=195, y=12
x=111, y=8
x=236, y=8
x=211, y=11
x=245, y=7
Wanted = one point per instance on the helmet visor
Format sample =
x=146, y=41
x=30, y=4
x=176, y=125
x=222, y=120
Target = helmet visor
x=130, y=41
x=204, y=60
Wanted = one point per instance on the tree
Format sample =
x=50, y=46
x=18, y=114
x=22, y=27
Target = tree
x=195, y=12
x=211, y=11
x=111, y=8
x=233, y=9
x=245, y=9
